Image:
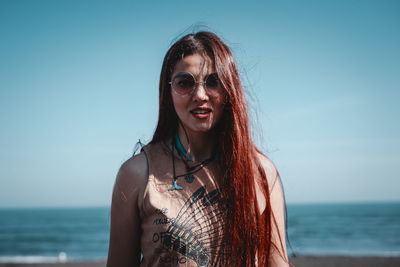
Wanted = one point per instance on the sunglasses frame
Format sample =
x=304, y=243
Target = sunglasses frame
x=204, y=82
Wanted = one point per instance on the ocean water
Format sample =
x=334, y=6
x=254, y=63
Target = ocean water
x=70, y=234
x=52, y=235
x=345, y=229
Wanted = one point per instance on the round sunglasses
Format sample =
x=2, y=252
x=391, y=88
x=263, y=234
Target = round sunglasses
x=184, y=83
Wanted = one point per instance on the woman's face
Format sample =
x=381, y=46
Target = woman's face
x=200, y=110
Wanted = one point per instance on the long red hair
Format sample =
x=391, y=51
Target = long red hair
x=249, y=231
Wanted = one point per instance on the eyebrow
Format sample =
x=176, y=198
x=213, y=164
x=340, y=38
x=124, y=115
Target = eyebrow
x=186, y=72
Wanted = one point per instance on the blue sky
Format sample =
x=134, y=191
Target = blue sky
x=78, y=88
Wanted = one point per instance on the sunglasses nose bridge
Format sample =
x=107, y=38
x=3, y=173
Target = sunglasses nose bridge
x=198, y=83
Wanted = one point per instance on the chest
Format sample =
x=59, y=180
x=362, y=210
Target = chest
x=183, y=225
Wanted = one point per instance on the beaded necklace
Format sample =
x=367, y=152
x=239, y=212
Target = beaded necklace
x=190, y=170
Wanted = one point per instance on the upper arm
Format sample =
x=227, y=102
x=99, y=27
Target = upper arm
x=276, y=198
x=124, y=247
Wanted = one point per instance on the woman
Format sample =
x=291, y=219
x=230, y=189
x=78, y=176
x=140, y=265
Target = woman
x=200, y=193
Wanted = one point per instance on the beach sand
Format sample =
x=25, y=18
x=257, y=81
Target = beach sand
x=304, y=261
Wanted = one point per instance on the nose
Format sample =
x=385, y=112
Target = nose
x=200, y=92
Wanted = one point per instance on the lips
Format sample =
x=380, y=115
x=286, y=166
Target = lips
x=201, y=112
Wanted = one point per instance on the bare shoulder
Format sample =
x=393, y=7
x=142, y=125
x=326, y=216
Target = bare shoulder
x=124, y=248
x=270, y=170
x=133, y=175
x=278, y=250
x=135, y=166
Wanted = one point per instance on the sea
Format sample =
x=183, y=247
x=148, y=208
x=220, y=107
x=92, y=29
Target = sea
x=44, y=235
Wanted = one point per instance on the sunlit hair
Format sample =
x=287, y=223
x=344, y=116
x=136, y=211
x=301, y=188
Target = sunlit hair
x=249, y=231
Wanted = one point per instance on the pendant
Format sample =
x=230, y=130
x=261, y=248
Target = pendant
x=175, y=186
x=189, y=177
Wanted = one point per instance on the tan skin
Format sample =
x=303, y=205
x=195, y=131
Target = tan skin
x=131, y=181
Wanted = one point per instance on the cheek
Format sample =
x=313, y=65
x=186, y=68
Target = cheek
x=219, y=105
x=179, y=103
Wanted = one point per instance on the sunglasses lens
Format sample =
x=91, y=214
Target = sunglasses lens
x=212, y=81
x=183, y=84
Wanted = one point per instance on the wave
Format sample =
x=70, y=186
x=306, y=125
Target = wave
x=61, y=258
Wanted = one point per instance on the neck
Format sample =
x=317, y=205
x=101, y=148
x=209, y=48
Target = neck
x=202, y=145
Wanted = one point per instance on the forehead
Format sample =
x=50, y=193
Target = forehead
x=198, y=65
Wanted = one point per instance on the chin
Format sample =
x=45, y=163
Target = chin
x=201, y=129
